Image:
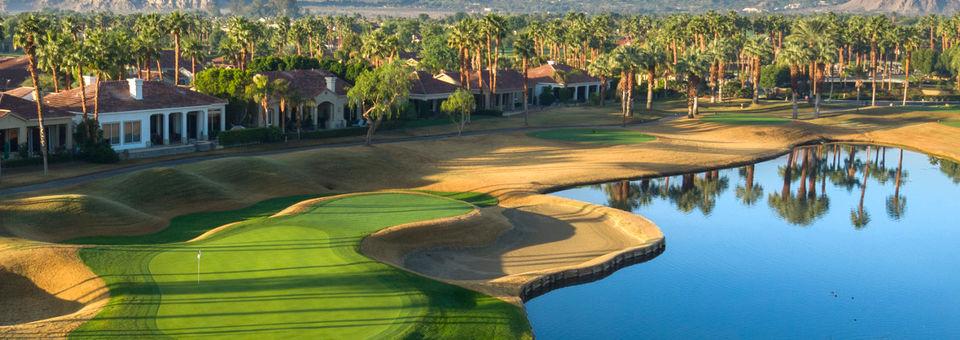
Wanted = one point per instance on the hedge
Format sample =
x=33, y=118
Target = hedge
x=334, y=133
x=250, y=136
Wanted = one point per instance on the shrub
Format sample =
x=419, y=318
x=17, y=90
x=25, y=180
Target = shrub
x=90, y=146
x=345, y=132
x=489, y=112
x=565, y=95
x=547, y=98
x=250, y=136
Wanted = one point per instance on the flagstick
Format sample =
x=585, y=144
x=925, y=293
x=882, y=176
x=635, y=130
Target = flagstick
x=199, y=252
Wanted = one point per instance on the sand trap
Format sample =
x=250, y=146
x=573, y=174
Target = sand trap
x=46, y=292
x=493, y=251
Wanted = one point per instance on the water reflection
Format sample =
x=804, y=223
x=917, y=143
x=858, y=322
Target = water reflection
x=803, y=179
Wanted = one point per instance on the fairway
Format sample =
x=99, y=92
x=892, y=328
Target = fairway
x=743, y=119
x=595, y=136
x=953, y=123
x=292, y=276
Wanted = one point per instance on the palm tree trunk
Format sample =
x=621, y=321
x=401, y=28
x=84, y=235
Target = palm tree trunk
x=906, y=80
x=176, y=59
x=83, y=92
x=650, y=81
x=96, y=99
x=193, y=67
x=525, y=93
x=56, y=80
x=159, y=70
x=32, y=59
x=793, y=104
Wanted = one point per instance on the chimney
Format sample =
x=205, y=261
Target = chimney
x=332, y=84
x=136, y=88
x=89, y=80
x=551, y=62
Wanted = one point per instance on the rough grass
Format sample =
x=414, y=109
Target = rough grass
x=595, y=136
x=294, y=276
x=51, y=217
x=743, y=119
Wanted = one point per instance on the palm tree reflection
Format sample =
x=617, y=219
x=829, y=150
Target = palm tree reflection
x=750, y=192
x=806, y=206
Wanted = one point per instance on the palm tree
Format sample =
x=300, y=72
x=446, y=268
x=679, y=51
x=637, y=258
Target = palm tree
x=260, y=91
x=176, y=23
x=459, y=38
x=756, y=48
x=603, y=68
x=874, y=28
x=75, y=59
x=240, y=31
x=911, y=41
x=652, y=57
x=693, y=65
x=794, y=56
x=28, y=36
x=195, y=50
x=283, y=93
x=493, y=27
x=525, y=50
x=626, y=60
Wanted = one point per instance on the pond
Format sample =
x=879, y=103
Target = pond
x=828, y=241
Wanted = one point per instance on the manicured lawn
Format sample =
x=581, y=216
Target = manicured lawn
x=743, y=119
x=297, y=276
x=953, y=123
x=595, y=136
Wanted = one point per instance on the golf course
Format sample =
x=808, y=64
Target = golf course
x=287, y=276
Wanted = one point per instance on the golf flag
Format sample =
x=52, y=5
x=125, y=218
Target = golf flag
x=199, y=252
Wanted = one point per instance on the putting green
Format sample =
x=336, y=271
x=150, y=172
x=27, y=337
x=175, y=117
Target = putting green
x=596, y=136
x=294, y=276
x=743, y=119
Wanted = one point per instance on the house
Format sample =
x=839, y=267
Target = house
x=509, y=89
x=25, y=92
x=19, y=127
x=323, y=98
x=137, y=114
x=427, y=92
x=553, y=76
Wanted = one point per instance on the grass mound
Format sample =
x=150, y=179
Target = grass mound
x=155, y=187
x=55, y=217
x=595, y=136
x=744, y=119
x=293, y=276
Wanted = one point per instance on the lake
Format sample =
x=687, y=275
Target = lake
x=828, y=241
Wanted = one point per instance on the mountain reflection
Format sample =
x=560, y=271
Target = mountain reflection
x=803, y=177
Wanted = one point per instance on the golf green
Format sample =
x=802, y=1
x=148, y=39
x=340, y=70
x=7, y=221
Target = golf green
x=953, y=123
x=743, y=119
x=293, y=276
x=596, y=136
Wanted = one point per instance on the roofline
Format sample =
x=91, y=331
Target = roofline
x=174, y=109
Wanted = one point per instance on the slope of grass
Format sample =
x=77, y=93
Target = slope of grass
x=295, y=276
x=595, y=136
x=743, y=119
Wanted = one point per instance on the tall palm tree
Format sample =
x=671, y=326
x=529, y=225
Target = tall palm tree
x=652, y=58
x=196, y=51
x=50, y=55
x=75, y=59
x=693, y=66
x=756, y=48
x=493, y=27
x=874, y=28
x=911, y=40
x=176, y=23
x=603, y=68
x=240, y=32
x=260, y=90
x=794, y=56
x=525, y=50
x=28, y=36
x=626, y=60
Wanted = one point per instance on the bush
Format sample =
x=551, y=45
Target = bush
x=547, y=98
x=565, y=95
x=345, y=132
x=92, y=147
x=250, y=136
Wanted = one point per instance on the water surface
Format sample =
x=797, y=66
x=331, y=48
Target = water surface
x=831, y=241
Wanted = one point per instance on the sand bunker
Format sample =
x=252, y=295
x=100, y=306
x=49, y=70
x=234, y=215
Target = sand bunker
x=498, y=250
x=46, y=292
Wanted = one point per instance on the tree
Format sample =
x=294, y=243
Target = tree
x=626, y=60
x=524, y=48
x=176, y=23
x=459, y=106
x=437, y=56
x=379, y=93
x=692, y=66
x=756, y=48
x=911, y=40
x=27, y=36
x=652, y=58
x=794, y=56
x=260, y=90
x=603, y=68
x=194, y=49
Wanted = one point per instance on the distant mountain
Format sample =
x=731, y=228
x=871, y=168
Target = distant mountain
x=902, y=6
x=119, y=6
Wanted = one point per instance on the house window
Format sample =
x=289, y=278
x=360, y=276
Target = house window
x=131, y=132
x=111, y=133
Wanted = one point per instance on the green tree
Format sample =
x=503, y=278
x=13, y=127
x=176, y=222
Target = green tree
x=525, y=50
x=459, y=106
x=794, y=56
x=603, y=68
x=379, y=93
x=28, y=36
x=176, y=23
x=756, y=49
x=260, y=90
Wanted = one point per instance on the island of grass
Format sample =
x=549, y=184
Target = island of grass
x=743, y=119
x=297, y=275
x=595, y=136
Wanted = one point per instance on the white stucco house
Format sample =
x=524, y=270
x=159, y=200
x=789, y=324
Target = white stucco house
x=553, y=76
x=323, y=98
x=137, y=114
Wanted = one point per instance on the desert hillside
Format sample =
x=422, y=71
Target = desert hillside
x=902, y=6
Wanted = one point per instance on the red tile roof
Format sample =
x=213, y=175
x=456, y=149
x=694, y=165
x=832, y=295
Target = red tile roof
x=547, y=74
x=115, y=97
x=425, y=84
x=21, y=92
x=13, y=72
x=508, y=80
x=308, y=83
x=27, y=109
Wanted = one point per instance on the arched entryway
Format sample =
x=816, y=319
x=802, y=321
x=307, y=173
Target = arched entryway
x=324, y=112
